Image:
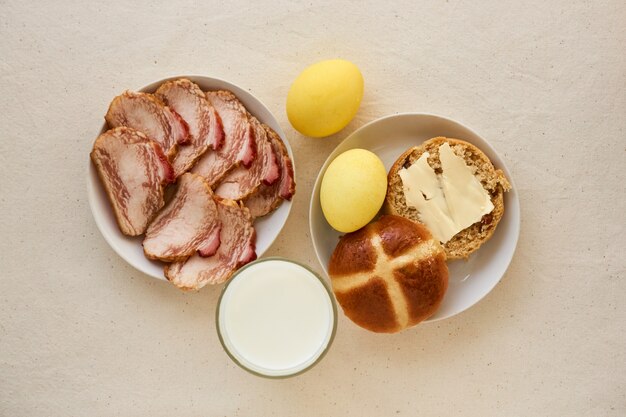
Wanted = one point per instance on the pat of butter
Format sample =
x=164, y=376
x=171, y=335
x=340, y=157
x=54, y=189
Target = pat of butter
x=446, y=203
x=422, y=190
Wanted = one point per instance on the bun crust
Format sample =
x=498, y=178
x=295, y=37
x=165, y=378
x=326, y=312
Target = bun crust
x=493, y=180
x=389, y=275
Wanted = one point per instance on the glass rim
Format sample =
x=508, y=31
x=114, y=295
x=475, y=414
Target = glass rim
x=332, y=303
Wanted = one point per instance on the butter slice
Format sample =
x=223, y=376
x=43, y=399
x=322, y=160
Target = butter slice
x=422, y=190
x=446, y=203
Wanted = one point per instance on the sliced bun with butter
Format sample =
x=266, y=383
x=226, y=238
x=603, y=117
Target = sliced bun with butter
x=453, y=188
x=389, y=275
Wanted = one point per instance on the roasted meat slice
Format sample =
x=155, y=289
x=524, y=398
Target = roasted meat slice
x=236, y=249
x=133, y=170
x=268, y=197
x=241, y=182
x=205, y=127
x=187, y=223
x=239, y=141
x=149, y=115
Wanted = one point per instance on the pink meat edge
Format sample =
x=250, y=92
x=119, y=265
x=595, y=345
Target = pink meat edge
x=273, y=174
x=220, y=138
x=212, y=243
x=249, y=254
x=248, y=152
x=169, y=176
x=186, y=138
x=287, y=186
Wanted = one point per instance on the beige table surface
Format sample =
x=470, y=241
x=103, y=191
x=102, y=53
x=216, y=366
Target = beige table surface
x=84, y=334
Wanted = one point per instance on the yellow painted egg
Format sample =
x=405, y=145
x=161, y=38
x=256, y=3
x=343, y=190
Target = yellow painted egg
x=353, y=189
x=325, y=97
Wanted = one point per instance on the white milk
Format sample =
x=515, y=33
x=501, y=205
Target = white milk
x=276, y=318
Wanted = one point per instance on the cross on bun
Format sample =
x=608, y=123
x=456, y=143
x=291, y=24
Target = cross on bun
x=389, y=275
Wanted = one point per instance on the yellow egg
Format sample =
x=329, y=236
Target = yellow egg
x=353, y=189
x=325, y=97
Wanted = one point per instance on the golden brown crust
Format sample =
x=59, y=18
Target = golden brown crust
x=389, y=275
x=370, y=306
x=396, y=238
x=423, y=283
x=493, y=180
x=354, y=253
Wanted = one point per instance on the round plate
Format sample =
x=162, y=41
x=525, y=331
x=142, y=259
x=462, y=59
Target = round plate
x=389, y=137
x=129, y=248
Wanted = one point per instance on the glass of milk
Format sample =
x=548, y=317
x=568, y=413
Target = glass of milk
x=276, y=318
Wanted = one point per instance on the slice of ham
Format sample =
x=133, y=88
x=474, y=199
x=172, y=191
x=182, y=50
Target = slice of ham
x=236, y=249
x=133, y=171
x=205, y=127
x=268, y=197
x=241, y=182
x=239, y=141
x=188, y=222
x=149, y=115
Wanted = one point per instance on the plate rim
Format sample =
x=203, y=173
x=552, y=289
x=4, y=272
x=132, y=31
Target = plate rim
x=504, y=167
x=100, y=224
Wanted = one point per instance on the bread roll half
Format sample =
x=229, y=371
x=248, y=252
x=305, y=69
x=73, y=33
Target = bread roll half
x=493, y=180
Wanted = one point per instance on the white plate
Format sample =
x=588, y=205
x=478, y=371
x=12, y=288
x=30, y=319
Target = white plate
x=130, y=249
x=389, y=137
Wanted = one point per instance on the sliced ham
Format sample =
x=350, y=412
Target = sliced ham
x=205, y=127
x=268, y=197
x=133, y=171
x=241, y=181
x=237, y=248
x=239, y=141
x=189, y=222
x=147, y=114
